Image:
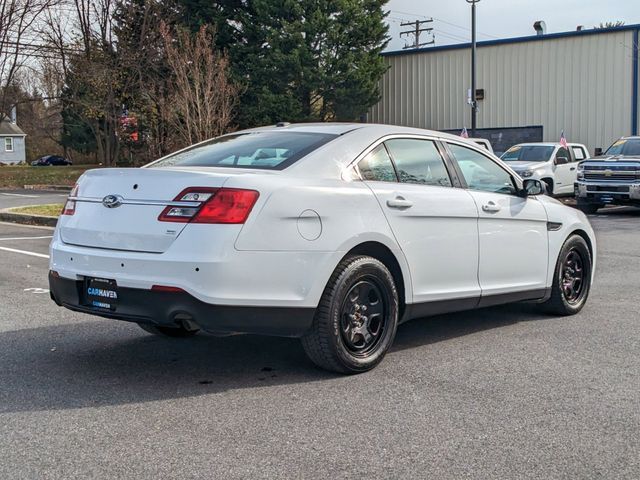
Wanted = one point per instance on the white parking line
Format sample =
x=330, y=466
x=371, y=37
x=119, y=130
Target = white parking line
x=24, y=252
x=26, y=238
x=19, y=195
x=31, y=227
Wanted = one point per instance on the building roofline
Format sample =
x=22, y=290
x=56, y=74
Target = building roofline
x=504, y=41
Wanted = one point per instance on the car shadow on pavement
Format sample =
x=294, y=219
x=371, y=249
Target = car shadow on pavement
x=99, y=363
x=430, y=330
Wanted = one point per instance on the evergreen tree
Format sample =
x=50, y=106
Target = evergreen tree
x=299, y=60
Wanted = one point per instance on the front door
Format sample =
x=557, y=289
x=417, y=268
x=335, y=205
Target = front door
x=434, y=223
x=512, y=229
x=565, y=173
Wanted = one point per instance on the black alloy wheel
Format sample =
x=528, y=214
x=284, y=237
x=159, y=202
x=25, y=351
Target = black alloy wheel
x=363, y=317
x=356, y=320
x=572, y=278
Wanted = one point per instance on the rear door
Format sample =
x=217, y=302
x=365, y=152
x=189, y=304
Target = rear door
x=434, y=223
x=512, y=230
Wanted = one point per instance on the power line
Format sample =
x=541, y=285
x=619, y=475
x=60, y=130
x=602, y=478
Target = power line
x=442, y=21
x=417, y=31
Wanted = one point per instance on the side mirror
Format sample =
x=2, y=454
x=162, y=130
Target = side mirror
x=561, y=160
x=598, y=152
x=532, y=188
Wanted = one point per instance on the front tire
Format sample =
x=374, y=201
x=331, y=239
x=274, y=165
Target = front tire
x=356, y=320
x=571, y=279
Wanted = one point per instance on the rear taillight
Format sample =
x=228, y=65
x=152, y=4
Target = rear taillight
x=70, y=206
x=209, y=205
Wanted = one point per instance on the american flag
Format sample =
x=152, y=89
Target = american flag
x=464, y=133
x=563, y=140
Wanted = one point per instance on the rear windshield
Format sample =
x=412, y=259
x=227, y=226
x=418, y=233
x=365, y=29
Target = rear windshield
x=264, y=150
x=528, y=153
x=625, y=147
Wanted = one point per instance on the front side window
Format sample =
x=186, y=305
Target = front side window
x=418, y=161
x=377, y=166
x=266, y=150
x=481, y=173
x=8, y=144
x=562, y=157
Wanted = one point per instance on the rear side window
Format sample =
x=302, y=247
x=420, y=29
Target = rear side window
x=377, y=166
x=419, y=161
x=263, y=150
x=579, y=153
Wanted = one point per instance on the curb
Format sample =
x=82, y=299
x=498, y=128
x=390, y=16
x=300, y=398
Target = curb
x=62, y=188
x=26, y=219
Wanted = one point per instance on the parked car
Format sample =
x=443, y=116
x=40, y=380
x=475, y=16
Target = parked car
x=51, y=160
x=611, y=179
x=551, y=163
x=342, y=233
x=483, y=142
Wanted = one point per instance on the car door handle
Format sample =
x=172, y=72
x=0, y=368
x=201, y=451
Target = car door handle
x=399, y=202
x=491, y=207
x=572, y=168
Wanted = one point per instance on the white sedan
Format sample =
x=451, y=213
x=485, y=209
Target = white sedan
x=334, y=233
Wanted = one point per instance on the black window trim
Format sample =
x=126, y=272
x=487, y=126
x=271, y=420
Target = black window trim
x=435, y=143
x=454, y=176
x=356, y=165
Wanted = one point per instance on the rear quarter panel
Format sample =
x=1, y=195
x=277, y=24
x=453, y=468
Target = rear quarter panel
x=324, y=215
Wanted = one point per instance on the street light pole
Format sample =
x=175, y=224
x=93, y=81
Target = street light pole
x=474, y=102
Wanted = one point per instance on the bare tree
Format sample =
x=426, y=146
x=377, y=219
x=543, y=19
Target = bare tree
x=18, y=19
x=83, y=68
x=203, y=97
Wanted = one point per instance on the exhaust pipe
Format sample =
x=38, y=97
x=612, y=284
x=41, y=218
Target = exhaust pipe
x=186, y=321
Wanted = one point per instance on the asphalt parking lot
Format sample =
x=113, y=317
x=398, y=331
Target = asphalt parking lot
x=498, y=393
x=22, y=197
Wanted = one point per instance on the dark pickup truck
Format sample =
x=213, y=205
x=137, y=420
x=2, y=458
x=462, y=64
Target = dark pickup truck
x=611, y=179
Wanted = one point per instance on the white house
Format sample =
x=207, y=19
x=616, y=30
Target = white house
x=12, y=143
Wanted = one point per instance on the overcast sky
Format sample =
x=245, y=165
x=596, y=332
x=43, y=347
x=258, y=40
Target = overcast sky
x=506, y=18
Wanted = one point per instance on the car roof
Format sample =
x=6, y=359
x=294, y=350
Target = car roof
x=337, y=128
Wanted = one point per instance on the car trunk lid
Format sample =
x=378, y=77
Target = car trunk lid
x=118, y=209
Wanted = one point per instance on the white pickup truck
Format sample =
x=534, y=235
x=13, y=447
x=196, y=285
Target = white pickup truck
x=551, y=163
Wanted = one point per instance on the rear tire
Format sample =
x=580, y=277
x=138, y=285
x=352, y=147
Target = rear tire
x=177, y=332
x=571, y=279
x=356, y=320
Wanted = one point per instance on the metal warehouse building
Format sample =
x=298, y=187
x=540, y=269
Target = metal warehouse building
x=584, y=82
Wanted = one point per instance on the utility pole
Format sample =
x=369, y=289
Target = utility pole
x=474, y=101
x=416, y=31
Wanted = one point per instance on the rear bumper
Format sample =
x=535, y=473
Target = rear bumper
x=162, y=308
